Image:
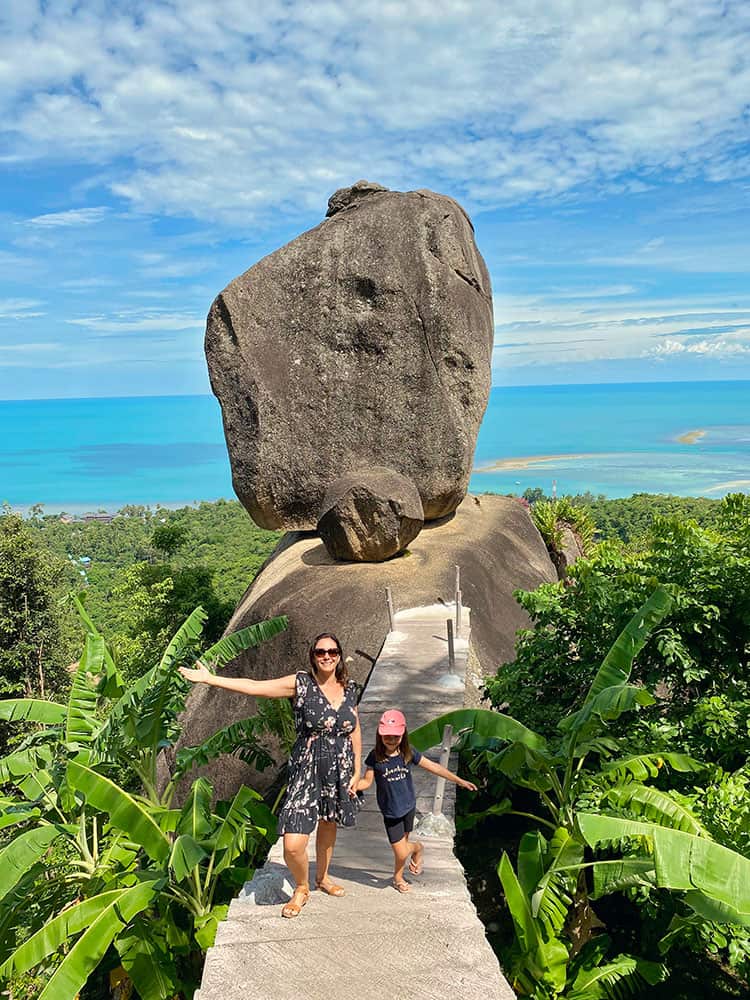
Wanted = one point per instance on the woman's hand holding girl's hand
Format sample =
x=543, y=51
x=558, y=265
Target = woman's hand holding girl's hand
x=467, y=784
x=200, y=675
x=353, y=786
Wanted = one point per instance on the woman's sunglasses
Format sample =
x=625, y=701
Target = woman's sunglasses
x=320, y=653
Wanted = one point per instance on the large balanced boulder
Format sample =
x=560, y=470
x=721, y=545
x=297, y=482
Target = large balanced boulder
x=491, y=538
x=370, y=516
x=364, y=342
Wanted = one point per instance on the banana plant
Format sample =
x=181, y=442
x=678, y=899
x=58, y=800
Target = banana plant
x=592, y=794
x=130, y=870
x=539, y=896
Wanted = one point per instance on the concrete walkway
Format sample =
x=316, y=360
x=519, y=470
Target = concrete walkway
x=374, y=942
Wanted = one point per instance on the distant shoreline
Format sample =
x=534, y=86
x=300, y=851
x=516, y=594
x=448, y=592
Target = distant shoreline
x=531, y=461
x=691, y=437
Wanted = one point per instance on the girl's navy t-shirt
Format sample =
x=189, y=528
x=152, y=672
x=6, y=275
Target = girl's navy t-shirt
x=393, y=785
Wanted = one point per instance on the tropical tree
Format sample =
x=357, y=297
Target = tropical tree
x=592, y=795
x=132, y=870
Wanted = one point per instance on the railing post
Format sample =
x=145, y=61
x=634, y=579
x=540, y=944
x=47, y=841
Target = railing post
x=451, y=648
x=445, y=752
x=458, y=612
x=389, y=602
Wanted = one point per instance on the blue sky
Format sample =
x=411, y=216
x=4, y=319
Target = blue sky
x=151, y=151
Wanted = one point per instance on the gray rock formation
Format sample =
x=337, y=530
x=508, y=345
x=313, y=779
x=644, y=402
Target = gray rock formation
x=371, y=515
x=364, y=342
x=493, y=541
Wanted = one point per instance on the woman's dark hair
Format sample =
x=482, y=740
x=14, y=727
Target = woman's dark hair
x=381, y=753
x=342, y=674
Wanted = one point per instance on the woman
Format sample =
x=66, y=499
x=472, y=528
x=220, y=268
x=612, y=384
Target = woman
x=326, y=759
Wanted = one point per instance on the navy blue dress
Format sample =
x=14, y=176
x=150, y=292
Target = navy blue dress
x=322, y=762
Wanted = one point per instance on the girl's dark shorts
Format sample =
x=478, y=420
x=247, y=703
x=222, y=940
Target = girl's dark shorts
x=398, y=827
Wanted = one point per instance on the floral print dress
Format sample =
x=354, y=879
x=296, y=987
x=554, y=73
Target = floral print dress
x=322, y=761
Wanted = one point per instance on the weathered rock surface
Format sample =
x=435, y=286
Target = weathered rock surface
x=370, y=515
x=491, y=538
x=571, y=548
x=364, y=342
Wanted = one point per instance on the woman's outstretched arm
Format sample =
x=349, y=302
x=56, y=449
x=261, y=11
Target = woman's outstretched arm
x=278, y=687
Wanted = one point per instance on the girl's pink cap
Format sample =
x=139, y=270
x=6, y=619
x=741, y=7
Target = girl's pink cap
x=392, y=723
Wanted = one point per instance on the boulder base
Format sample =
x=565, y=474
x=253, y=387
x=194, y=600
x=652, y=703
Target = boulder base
x=491, y=538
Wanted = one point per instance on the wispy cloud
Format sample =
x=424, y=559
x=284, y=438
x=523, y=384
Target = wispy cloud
x=20, y=309
x=232, y=112
x=123, y=324
x=72, y=217
x=707, y=348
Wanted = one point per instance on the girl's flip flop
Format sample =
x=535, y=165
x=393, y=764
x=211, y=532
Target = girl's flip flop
x=415, y=862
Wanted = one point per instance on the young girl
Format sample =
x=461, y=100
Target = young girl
x=389, y=764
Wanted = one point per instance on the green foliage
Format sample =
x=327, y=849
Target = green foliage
x=35, y=643
x=130, y=872
x=698, y=659
x=554, y=518
x=149, y=569
x=594, y=792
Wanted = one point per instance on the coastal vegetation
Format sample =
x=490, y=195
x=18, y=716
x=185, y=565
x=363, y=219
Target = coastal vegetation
x=580, y=824
x=103, y=876
x=666, y=746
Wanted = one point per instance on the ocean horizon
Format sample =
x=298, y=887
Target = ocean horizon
x=615, y=439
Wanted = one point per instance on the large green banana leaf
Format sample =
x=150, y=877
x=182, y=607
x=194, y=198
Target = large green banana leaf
x=186, y=854
x=618, y=662
x=545, y=960
x=531, y=850
x=247, y=812
x=708, y=872
x=609, y=703
x=643, y=766
x=654, y=805
x=49, y=713
x=81, y=721
x=147, y=959
x=624, y=976
x=92, y=945
x=23, y=762
x=124, y=811
x=22, y=852
x=230, y=646
x=156, y=684
x=551, y=898
x=55, y=933
x=482, y=721
x=111, y=683
x=195, y=816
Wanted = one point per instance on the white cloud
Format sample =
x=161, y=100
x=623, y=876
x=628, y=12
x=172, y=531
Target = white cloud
x=545, y=330
x=233, y=112
x=73, y=217
x=123, y=323
x=19, y=309
x=707, y=348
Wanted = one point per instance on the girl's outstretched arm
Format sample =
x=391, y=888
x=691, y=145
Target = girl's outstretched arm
x=443, y=772
x=278, y=687
x=364, y=783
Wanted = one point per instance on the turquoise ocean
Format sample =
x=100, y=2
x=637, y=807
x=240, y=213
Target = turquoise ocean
x=89, y=454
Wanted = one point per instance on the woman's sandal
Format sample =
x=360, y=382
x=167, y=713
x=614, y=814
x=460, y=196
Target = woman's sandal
x=292, y=908
x=401, y=886
x=330, y=888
